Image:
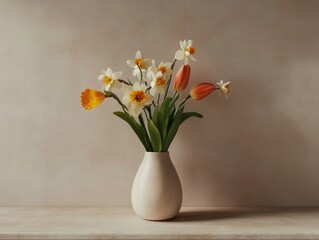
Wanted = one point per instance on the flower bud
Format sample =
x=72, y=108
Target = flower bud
x=182, y=78
x=201, y=90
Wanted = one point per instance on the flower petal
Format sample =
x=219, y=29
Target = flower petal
x=136, y=86
x=131, y=63
x=179, y=55
x=138, y=54
x=137, y=109
x=153, y=91
x=107, y=87
x=143, y=87
x=192, y=57
x=131, y=109
x=159, y=74
x=109, y=72
x=161, y=90
x=148, y=100
x=181, y=44
x=117, y=75
x=116, y=84
x=126, y=89
x=100, y=78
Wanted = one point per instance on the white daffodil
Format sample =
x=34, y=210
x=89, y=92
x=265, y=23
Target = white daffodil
x=158, y=83
x=164, y=68
x=187, y=51
x=139, y=63
x=224, y=88
x=109, y=79
x=151, y=71
x=135, y=98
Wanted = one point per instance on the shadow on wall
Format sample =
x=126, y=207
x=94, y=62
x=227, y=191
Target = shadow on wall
x=259, y=148
x=259, y=168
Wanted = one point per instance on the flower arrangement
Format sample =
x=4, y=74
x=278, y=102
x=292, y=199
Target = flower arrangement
x=147, y=106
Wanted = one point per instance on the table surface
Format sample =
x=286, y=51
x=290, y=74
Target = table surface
x=192, y=223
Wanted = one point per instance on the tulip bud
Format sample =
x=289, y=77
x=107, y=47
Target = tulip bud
x=201, y=90
x=182, y=78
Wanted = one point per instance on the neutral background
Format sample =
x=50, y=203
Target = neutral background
x=259, y=148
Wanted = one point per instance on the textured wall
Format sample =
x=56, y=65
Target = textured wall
x=258, y=148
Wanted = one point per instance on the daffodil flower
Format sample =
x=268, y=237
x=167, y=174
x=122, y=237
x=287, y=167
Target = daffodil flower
x=163, y=67
x=186, y=51
x=224, y=88
x=135, y=98
x=158, y=83
x=109, y=79
x=91, y=98
x=139, y=64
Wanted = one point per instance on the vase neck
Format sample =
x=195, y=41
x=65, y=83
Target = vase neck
x=156, y=155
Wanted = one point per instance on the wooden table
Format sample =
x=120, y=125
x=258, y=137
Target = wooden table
x=192, y=223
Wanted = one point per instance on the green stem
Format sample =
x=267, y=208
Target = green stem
x=141, y=73
x=184, y=101
x=130, y=82
x=149, y=111
x=175, y=94
x=170, y=78
x=141, y=120
x=123, y=81
x=145, y=114
x=119, y=101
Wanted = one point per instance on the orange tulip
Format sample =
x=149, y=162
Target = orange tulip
x=91, y=98
x=201, y=90
x=182, y=78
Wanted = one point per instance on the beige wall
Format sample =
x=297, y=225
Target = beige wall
x=259, y=148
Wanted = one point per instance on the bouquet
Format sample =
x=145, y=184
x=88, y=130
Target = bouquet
x=153, y=112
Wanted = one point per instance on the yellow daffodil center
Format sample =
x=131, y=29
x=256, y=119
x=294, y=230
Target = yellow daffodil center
x=191, y=50
x=139, y=62
x=160, y=82
x=138, y=96
x=107, y=80
x=162, y=69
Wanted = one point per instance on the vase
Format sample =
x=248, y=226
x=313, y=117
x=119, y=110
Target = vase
x=157, y=191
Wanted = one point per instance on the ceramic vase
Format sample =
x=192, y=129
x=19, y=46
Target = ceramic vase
x=157, y=191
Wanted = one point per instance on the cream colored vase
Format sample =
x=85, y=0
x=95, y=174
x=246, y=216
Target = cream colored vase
x=157, y=191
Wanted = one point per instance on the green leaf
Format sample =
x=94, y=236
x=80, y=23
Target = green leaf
x=138, y=129
x=154, y=117
x=173, y=129
x=188, y=115
x=164, y=106
x=155, y=136
x=171, y=118
x=162, y=127
x=172, y=103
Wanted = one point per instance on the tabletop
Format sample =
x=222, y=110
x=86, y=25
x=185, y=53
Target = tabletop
x=79, y=223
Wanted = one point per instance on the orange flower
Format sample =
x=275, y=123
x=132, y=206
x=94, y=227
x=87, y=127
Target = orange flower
x=201, y=90
x=182, y=78
x=91, y=98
